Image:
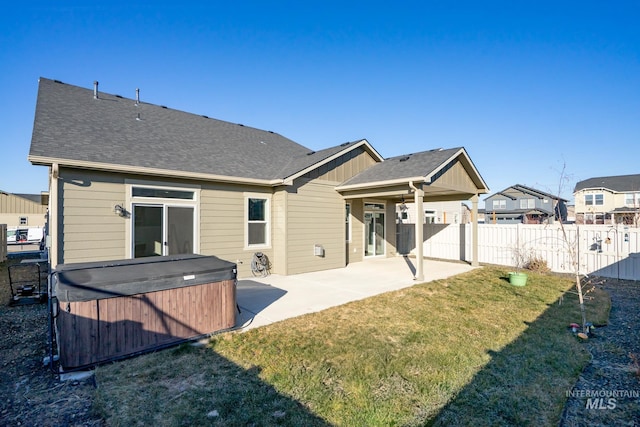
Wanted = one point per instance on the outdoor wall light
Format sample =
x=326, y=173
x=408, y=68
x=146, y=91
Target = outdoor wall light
x=119, y=210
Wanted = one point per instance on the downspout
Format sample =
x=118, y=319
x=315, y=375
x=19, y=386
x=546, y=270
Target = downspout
x=52, y=238
x=418, y=197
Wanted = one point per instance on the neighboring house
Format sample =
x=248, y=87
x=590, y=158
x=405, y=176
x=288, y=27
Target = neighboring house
x=608, y=200
x=453, y=212
x=131, y=179
x=522, y=204
x=23, y=210
x=571, y=213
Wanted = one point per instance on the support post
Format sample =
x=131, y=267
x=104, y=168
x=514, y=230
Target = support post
x=474, y=231
x=418, y=202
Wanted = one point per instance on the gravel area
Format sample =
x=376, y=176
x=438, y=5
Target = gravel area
x=608, y=390
x=32, y=395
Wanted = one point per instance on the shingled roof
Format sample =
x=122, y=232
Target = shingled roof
x=73, y=126
x=620, y=183
x=526, y=190
x=86, y=128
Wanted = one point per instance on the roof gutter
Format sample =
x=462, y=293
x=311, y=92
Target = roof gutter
x=379, y=184
x=48, y=161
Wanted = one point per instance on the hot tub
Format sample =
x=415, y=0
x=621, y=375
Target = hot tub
x=103, y=311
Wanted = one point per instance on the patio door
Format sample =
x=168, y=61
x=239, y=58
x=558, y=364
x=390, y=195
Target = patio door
x=374, y=229
x=162, y=230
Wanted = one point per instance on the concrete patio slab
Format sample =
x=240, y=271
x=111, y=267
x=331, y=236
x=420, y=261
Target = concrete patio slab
x=265, y=300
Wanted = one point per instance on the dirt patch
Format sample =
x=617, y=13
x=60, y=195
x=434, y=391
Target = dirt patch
x=30, y=393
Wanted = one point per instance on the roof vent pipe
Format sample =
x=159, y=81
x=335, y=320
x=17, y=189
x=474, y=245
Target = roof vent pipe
x=137, y=96
x=95, y=89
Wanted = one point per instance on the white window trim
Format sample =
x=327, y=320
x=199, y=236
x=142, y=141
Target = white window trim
x=130, y=201
x=527, y=203
x=267, y=244
x=593, y=197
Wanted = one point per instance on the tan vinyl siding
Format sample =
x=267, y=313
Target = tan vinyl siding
x=279, y=235
x=222, y=224
x=315, y=217
x=90, y=230
x=344, y=167
x=356, y=246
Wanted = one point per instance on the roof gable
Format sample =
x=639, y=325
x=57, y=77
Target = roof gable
x=425, y=166
x=314, y=161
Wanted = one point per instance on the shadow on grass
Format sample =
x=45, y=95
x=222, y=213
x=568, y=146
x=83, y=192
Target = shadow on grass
x=513, y=388
x=199, y=388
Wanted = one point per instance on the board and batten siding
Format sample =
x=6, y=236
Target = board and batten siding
x=13, y=207
x=10, y=203
x=315, y=216
x=456, y=178
x=222, y=224
x=88, y=228
x=344, y=167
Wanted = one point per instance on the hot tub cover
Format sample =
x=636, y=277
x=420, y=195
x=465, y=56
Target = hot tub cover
x=109, y=279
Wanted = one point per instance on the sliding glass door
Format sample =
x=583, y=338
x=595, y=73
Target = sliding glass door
x=162, y=230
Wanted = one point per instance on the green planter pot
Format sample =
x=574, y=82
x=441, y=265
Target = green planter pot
x=518, y=279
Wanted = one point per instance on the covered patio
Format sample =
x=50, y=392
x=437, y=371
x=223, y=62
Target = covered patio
x=435, y=175
x=265, y=300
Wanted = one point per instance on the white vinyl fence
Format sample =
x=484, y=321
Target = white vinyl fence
x=607, y=251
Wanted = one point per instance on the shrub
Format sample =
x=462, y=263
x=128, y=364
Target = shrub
x=537, y=264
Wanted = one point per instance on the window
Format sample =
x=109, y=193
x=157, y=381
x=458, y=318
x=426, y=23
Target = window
x=527, y=203
x=593, y=199
x=499, y=204
x=162, y=193
x=23, y=220
x=347, y=222
x=257, y=215
x=429, y=217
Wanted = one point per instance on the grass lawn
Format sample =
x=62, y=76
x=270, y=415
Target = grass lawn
x=469, y=350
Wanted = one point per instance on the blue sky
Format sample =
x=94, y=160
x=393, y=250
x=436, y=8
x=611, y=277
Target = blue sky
x=528, y=88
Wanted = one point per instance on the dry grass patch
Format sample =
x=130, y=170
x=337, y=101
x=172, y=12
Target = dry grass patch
x=472, y=345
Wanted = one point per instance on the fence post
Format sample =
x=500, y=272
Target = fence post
x=3, y=242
